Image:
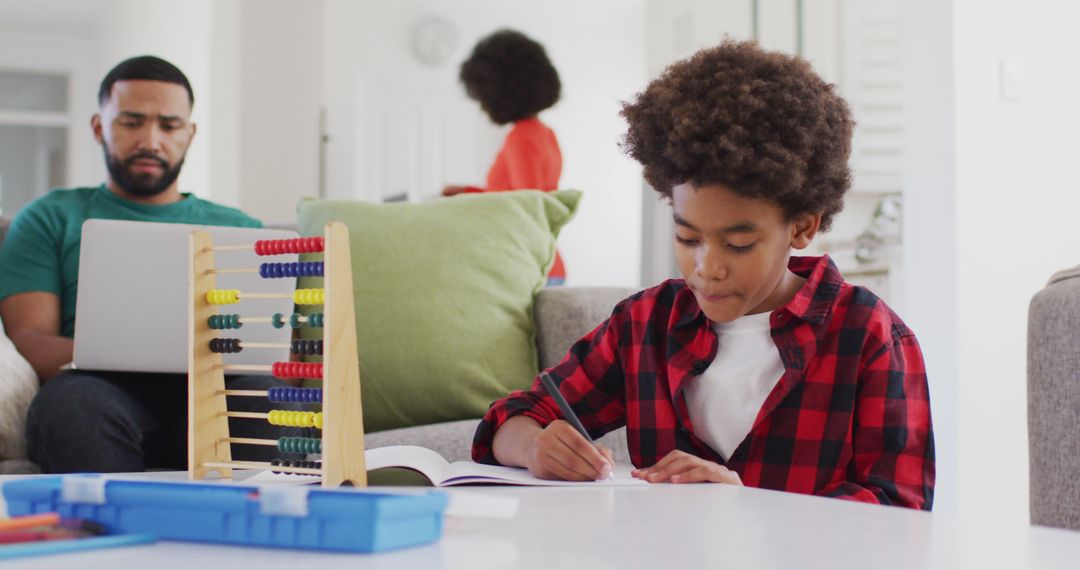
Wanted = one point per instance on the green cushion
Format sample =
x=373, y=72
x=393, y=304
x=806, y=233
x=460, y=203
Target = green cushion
x=444, y=295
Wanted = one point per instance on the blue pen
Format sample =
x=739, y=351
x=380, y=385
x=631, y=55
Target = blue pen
x=566, y=410
x=59, y=546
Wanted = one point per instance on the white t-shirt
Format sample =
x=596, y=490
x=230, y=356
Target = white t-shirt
x=725, y=400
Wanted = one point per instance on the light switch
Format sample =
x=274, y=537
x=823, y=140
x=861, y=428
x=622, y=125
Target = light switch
x=1010, y=78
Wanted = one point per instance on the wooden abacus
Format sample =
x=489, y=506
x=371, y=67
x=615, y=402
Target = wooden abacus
x=341, y=420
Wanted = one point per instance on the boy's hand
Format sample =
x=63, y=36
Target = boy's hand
x=681, y=467
x=559, y=452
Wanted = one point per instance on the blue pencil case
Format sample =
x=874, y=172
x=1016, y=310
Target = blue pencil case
x=274, y=516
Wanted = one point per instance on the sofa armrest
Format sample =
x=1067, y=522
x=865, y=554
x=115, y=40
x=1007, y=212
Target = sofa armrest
x=1053, y=376
x=565, y=314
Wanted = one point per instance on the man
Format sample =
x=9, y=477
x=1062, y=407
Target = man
x=110, y=422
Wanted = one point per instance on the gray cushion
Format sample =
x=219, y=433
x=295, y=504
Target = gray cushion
x=452, y=440
x=565, y=314
x=1053, y=370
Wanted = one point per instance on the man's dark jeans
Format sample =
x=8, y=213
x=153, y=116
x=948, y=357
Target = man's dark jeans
x=125, y=422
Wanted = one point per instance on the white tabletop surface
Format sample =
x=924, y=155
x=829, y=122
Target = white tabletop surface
x=654, y=527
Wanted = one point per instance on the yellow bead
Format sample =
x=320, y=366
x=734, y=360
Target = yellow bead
x=308, y=296
x=223, y=296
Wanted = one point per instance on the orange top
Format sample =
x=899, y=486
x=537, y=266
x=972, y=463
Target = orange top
x=529, y=159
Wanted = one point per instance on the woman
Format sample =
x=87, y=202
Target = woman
x=512, y=78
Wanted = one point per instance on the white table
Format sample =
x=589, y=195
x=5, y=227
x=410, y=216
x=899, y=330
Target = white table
x=655, y=527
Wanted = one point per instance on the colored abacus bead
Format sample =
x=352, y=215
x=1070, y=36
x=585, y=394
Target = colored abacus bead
x=299, y=445
x=315, y=320
x=223, y=296
x=219, y=322
x=308, y=296
x=284, y=246
x=306, y=347
x=294, y=463
x=297, y=370
x=291, y=394
x=278, y=320
x=225, y=345
x=294, y=320
x=295, y=419
x=295, y=269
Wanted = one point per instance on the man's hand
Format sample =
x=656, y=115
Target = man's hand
x=560, y=452
x=681, y=467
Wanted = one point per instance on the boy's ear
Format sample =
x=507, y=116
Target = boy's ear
x=804, y=227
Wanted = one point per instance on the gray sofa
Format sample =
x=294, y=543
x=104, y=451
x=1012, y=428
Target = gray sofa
x=562, y=314
x=1053, y=375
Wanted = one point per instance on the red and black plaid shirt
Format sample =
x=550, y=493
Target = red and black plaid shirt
x=849, y=418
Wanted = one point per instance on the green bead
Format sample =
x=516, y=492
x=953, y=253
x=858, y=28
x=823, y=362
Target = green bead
x=294, y=320
x=278, y=320
x=299, y=445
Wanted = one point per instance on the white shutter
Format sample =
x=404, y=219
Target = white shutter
x=872, y=82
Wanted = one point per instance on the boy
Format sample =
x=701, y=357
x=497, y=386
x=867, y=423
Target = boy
x=756, y=368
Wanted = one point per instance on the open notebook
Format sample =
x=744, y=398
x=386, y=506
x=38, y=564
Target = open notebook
x=444, y=474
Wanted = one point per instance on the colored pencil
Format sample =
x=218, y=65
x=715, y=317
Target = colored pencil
x=29, y=521
x=60, y=546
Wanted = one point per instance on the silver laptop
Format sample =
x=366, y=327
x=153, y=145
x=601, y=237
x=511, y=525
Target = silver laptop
x=131, y=312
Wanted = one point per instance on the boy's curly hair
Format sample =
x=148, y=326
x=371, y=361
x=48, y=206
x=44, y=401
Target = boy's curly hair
x=510, y=76
x=761, y=123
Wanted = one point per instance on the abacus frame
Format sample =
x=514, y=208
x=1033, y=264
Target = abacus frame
x=209, y=447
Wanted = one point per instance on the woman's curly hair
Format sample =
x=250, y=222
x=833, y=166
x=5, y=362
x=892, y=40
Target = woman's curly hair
x=510, y=76
x=761, y=123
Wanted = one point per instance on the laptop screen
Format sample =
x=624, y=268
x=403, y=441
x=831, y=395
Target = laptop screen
x=132, y=305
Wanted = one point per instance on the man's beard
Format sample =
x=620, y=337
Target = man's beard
x=141, y=185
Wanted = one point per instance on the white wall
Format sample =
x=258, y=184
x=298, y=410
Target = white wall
x=598, y=48
x=224, y=117
x=929, y=238
x=277, y=77
x=1017, y=199
x=985, y=241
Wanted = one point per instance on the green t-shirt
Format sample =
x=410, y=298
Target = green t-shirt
x=41, y=249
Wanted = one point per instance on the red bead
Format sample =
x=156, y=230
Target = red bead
x=297, y=370
x=295, y=245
